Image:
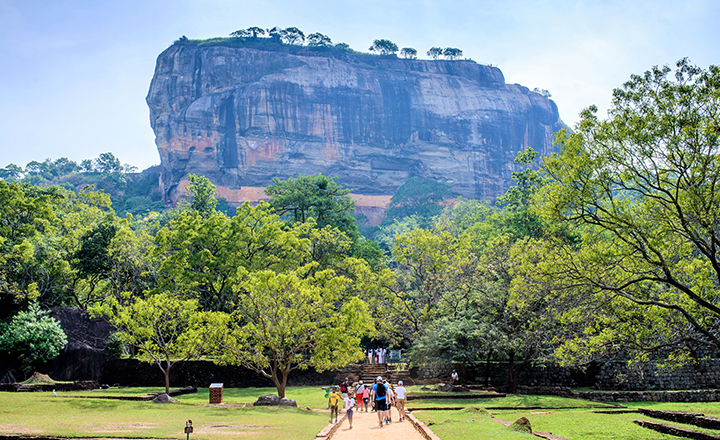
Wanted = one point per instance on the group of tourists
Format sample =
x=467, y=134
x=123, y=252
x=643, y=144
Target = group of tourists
x=377, y=355
x=381, y=395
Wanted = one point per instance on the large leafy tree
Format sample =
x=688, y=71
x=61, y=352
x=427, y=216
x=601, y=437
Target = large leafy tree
x=32, y=337
x=418, y=197
x=642, y=187
x=292, y=320
x=205, y=258
x=316, y=196
x=40, y=230
x=166, y=329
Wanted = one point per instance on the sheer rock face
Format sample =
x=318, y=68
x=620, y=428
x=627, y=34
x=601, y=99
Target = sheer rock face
x=241, y=115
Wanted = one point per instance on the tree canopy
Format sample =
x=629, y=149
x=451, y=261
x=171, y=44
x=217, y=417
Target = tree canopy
x=641, y=186
x=384, y=47
x=33, y=337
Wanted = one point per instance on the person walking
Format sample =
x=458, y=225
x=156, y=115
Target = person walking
x=333, y=400
x=390, y=401
x=400, y=399
x=345, y=388
x=366, y=398
x=349, y=405
x=359, y=394
x=379, y=396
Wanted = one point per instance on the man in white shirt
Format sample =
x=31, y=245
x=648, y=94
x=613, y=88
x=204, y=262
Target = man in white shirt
x=400, y=399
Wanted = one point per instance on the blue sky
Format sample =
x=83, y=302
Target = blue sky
x=74, y=73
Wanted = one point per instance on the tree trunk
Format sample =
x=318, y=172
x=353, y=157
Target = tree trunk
x=280, y=386
x=511, y=372
x=166, y=370
x=487, y=369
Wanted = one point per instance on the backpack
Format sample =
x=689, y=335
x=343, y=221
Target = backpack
x=343, y=388
x=380, y=391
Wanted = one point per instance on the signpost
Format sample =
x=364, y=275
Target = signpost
x=188, y=428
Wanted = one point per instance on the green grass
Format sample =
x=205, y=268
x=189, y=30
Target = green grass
x=462, y=425
x=568, y=423
x=65, y=416
x=27, y=413
x=314, y=397
x=512, y=400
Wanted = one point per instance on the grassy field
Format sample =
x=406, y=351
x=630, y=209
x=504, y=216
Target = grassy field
x=67, y=416
x=77, y=414
x=568, y=423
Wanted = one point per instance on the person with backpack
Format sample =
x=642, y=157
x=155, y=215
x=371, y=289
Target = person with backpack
x=344, y=388
x=379, y=396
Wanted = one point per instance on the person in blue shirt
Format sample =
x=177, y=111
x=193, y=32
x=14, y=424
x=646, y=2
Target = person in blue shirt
x=379, y=396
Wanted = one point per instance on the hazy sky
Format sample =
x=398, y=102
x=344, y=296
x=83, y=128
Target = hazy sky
x=74, y=74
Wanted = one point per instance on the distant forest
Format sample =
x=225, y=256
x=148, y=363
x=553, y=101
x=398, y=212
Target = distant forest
x=293, y=37
x=131, y=191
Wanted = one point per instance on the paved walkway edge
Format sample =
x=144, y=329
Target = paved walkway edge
x=422, y=428
x=329, y=430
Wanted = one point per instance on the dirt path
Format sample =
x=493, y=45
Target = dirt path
x=365, y=425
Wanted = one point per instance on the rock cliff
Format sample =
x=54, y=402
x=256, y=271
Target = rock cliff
x=243, y=113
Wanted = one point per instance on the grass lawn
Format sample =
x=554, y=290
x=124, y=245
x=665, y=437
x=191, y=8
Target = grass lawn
x=64, y=416
x=569, y=423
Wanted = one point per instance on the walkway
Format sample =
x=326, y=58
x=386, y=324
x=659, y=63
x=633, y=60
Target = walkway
x=366, y=426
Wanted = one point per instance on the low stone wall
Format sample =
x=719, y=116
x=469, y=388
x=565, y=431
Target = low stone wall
x=618, y=376
x=610, y=376
x=61, y=386
x=627, y=396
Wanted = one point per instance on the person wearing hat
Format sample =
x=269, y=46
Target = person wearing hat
x=359, y=394
x=400, y=399
x=379, y=396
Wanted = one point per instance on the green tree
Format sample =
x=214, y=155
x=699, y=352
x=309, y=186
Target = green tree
x=319, y=40
x=452, y=53
x=319, y=197
x=206, y=258
x=435, y=52
x=202, y=192
x=641, y=187
x=292, y=320
x=276, y=34
x=419, y=197
x=108, y=163
x=240, y=33
x=32, y=337
x=11, y=172
x=256, y=31
x=409, y=53
x=165, y=329
x=383, y=47
x=92, y=260
x=292, y=35
x=87, y=166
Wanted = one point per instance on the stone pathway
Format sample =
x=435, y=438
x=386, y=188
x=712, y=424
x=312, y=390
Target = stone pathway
x=366, y=426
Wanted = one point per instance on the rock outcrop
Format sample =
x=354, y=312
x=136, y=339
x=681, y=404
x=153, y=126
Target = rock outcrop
x=243, y=113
